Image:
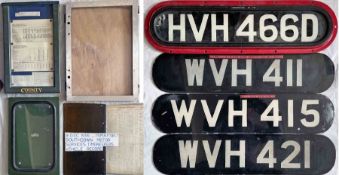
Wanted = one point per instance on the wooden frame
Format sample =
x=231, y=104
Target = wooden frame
x=7, y=45
x=133, y=96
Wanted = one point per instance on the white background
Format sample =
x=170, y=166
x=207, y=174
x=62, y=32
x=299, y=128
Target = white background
x=3, y=102
x=151, y=94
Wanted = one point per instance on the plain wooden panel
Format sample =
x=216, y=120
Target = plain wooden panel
x=102, y=51
x=127, y=121
x=84, y=118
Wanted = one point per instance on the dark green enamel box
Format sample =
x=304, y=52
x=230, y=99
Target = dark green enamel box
x=31, y=47
x=33, y=136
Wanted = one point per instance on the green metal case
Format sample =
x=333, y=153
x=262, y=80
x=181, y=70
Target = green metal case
x=46, y=11
x=33, y=136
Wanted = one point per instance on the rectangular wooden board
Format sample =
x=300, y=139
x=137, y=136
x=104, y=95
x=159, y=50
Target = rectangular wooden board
x=84, y=118
x=101, y=41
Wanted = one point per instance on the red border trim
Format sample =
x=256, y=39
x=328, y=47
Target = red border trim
x=244, y=50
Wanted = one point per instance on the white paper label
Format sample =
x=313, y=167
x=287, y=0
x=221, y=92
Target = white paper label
x=41, y=79
x=32, y=53
x=35, y=30
x=90, y=141
x=32, y=57
x=22, y=14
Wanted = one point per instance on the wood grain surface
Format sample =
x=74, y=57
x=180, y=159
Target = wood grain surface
x=84, y=118
x=102, y=51
x=127, y=121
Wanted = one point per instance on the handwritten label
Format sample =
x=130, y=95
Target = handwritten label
x=90, y=141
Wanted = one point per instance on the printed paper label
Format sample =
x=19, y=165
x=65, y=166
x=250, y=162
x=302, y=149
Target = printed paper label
x=36, y=30
x=22, y=14
x=32, y=57
x=25, y=79
x=32, y=53
x=90, y=141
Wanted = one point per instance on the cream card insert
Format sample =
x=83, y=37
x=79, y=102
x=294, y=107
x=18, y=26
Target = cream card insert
x=32, y=52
